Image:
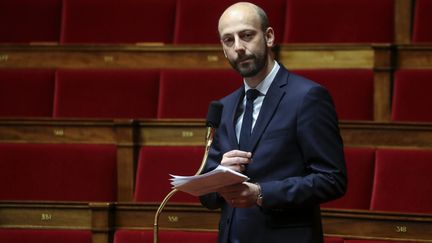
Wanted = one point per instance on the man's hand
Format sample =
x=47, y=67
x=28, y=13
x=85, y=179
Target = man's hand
x=241, y=195
x=236, y=160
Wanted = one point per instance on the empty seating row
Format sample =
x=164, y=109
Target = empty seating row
x=113, y=93
x=132, y=236
x=380, y=180
x=121, y=93
x=180, y=22
x=387, y=180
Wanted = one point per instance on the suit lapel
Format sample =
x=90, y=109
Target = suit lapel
x=269, y=106
x=232, y=109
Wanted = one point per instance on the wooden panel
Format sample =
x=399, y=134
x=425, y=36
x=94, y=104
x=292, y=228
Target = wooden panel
x=386, y=134
x=415, y=56
x=190, y=217
x=116, y=56
x=326, y=56
x=172, y=133
x=377, y=225
x=382, y=96
x=45, y=215
x=403, y=21
x=293, y=56
x=56, y=131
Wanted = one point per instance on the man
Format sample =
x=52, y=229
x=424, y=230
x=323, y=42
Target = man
x=292, y=153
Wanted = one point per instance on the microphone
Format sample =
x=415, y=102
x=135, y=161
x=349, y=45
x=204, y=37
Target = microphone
x=214, y=115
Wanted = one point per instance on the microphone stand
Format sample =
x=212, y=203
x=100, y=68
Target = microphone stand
x=209, y=139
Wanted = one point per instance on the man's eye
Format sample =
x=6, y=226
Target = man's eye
x=247, y=36
x=228, y=41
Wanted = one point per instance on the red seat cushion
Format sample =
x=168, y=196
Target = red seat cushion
x=352, y=90
x=422, y=20
x=106, y=93
x=402, y=181
x=333, y=240
x=188, y=93
x=118, y=21
x=144, y=236
x=58, y=172
x=375, y=241
x=26, y=93
x=190, y=31
x=45, y=236
x=360, y=169
x=356, y=21
x=156, y=163
x=26, y=21
x=411, y=96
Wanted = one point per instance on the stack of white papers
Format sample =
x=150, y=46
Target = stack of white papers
x=208, y=182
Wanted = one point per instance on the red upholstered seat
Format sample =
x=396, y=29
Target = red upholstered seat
x=402, y=181
x=190, y=31
x=156, y=163
x=333, y=240
x=26, y=21
x=26, y=93
x=375, y=241
x=422, y=20
x=58, y=172
x=106, y=93
x=411, y=96
x=352, y=91
x=164, y=236
x=360, y=169
x=118, y=21
x=44, y=236
x=187, y=93
x=356, y=21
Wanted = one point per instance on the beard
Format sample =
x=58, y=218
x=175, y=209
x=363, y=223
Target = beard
x=255, y=63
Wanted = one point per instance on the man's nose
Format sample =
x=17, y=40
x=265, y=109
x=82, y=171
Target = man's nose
x=238, y=45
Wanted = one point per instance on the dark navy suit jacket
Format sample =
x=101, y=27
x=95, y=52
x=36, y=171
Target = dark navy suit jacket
x=297, y=158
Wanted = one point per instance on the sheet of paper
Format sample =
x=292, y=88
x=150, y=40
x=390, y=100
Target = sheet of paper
x=208, y=182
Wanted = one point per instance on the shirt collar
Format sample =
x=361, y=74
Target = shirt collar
x=265, y=84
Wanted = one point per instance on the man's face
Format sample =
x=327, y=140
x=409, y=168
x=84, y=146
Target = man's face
x=244, y=43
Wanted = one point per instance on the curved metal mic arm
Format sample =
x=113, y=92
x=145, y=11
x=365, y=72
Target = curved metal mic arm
x=209, y=140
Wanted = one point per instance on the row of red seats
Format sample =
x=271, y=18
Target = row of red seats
x=380, y=180
x=131, y=236
x=187, y=93
x=195, y=21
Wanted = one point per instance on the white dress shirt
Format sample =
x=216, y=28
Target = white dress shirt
x=262, y=88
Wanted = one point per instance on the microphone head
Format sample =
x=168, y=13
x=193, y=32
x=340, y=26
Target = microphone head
x=214, y=114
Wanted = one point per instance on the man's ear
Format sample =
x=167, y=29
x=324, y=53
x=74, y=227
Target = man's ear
x=225, y=53
x=269, y=37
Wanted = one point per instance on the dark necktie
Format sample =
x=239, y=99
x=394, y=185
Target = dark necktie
x=246, y=128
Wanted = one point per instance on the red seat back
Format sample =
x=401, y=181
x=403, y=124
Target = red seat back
x=155, y=165
x=355, y=21
x=352, y=91
x=58, y=172
x=106, y=93
x=333, y=240
x=360, y=169
x=26, y=21
x=190, y=31
x=402, y=181
x=411, y=96
x=146, y=236
x=422, y=20
x=26, y=93
x=45, y=236
x=118, y=21
x=188, y=93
